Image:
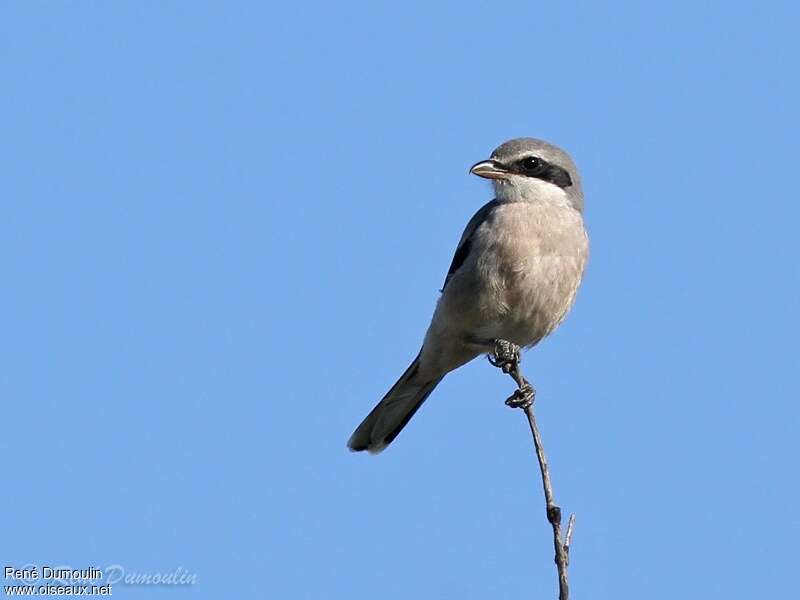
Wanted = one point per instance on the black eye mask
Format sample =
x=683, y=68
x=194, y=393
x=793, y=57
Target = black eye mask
x=533, y=166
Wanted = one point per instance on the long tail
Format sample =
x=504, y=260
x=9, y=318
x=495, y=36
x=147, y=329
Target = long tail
x=392, y=413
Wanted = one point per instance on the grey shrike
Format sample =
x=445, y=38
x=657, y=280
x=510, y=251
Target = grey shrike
x=514, y=277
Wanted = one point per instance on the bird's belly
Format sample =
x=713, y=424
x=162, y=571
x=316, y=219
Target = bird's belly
x=536, y=300
x=517, y=284
x=527, y=294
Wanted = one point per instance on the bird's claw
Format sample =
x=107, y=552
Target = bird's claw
x=505, y=355
x=522, y=397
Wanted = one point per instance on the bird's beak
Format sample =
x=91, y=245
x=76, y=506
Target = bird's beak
x=489, y=169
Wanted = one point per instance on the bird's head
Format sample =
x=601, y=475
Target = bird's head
x=530, y=170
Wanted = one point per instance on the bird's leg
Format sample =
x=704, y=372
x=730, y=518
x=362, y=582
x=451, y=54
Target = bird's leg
x=506, y=356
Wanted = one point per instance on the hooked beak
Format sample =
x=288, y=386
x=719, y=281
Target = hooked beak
x=489, y=169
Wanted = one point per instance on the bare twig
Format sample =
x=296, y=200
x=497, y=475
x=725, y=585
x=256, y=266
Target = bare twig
x=507, y=357
x=553, y=510
x=568, y=537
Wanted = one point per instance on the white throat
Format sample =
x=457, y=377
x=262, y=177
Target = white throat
x=529, y=189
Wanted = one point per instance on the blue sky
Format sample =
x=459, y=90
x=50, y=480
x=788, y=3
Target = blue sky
x=224, y=227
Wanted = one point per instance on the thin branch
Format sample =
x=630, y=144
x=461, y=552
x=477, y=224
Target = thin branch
x=553, y=510
x=507, y=357
x=568, y=537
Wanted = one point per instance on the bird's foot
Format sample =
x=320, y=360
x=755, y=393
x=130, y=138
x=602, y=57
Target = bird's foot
x=505, y=356
x=522, y=397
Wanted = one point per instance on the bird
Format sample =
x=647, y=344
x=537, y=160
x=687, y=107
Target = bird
x=513, y=278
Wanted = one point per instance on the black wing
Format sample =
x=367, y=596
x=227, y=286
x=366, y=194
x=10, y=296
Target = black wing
x=465, y=244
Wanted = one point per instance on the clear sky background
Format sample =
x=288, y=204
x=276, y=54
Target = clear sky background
x=223, y=230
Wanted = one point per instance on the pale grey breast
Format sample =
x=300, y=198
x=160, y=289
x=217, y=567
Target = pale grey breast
x=530, y=261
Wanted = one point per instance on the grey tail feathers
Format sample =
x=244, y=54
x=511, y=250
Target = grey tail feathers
x=393, y=412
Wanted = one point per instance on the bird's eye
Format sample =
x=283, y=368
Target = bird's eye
x=531, y=164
